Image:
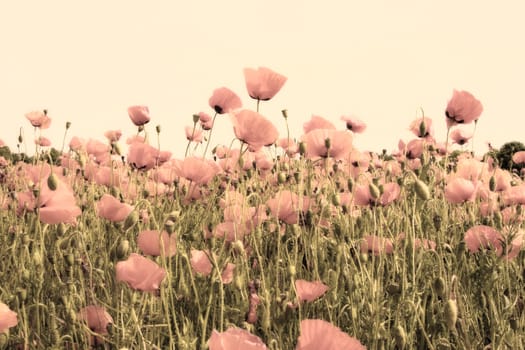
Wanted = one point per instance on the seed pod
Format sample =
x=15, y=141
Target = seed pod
x=422, y=190
x=52, y=182
x=451, y=314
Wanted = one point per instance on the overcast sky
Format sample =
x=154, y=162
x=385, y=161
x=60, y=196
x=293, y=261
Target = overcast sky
x=86, y=62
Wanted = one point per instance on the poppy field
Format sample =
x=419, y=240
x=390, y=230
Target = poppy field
x=276, y=241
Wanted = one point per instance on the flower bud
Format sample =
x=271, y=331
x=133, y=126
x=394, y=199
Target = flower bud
x=492, y=184
x=158, y=129
x=68, y=125
x=422, y=190
x=281, y=177
x=285, y=113
x=169, y=226
x=302, y=148
x=196, y=118
x=131, y=220
x=122, y=249
x=451, y=313
x=439, y=287
x=52, y=182
x=374, y=191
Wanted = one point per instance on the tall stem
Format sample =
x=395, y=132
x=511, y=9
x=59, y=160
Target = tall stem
x=209, y=136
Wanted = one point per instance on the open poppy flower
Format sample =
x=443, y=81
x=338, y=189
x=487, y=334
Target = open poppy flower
x=460, y=136
x=324, y=143
x=156, y=243
x=140, y=273
x=112, y=209
x=319, y=334
x=139, y=115
x=463, y=108
x=354, y=124
x=263, y=83
x=254, y=129
x=377, y=245
x=317, y=122
x=39, y=119
x=309, y=291
x=235, y=339
x=459, y=190
x=223, y=100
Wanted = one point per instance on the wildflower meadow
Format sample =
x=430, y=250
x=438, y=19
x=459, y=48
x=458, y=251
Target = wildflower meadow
x=274, y=241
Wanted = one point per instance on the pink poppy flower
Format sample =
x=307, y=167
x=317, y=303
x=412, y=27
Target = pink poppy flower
x=514, y=195
x=77, y=144
x=200, y=262
x=459, y=190
x=140, y=273
x=309, y=291
x=481, y=237
x=206, y=121
x=319, y=334
x=419, y=243
x=193, y=134
x=39, y=119
x=153, y=242
x=422, y=127
x=287, y=205
x=96, y=318
x=110, y=208
x=288, y=145
x=354, y=124
x=519, y=157
x=8, y=318
x=142, y=156
x=139, y=115
x=339, y=143
x=235, y=339
x=460, y=136
x=113, y=135
x=197, y=170
x=263, y=83
x=58, y=206
x=227, y=273
x=377, y=245
x=463, y=108
x=254, y=129
x=317, y=122
x=43, y=141
x=223, y=100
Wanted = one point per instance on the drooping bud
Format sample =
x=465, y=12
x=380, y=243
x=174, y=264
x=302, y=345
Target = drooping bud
x=374, y=191
x=122, y=249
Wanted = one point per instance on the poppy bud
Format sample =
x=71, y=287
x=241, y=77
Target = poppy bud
x=169, y=226
x=350, y=184
x=131, y=220
x=122, y=249
x=70, y=259
x=157, y=128
x=422, y=190
x=492, y=184
x=336, y=200
x=52, y=182
x=285, y=113
x=68, y=125
x=451, y=313
x=422, y=129
x=374, y=191
x=439, y=287
x=281, y=178
x=302, y=148
x=327, y=143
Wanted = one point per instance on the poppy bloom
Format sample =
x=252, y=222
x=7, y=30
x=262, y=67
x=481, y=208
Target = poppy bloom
x=377, y=245
x=196, y=169
x=324, y=143
x=463, y=108
x=142, y=156
x=139, y=115
x=39, y=119
x=113, y=135
x=140, y=273
x=263, y=83
x=460, y=136
x=43, y=141
x=519, y=157
x=309, y=291
x=192, y=134
x=319, y=334
x=206, y=121
x=235, y=338
x=200, y=262
x=254, y=129
x=110, y=208
x=58, y=206
x=156, y=243
x=8, y=318
x=317, y=122
x=287, y=205
x=422, y=127
x=96, y=318
x=354, y=124
x=459, y=190
x=485, y=237
x=223, y=100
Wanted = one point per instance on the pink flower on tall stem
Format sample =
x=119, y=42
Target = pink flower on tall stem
x=354, y=124
x=96, y=318
x=235, y=338
x=223, y=100
x=422, y=127
x=459, y=190
x=460, y=136
x=139, y=115
x=254, y=129
x=263, y=83
x=519, y=157
x=377, y=245
x=39, y=119
x=319, y=334
x=327, y=143
x=463, y=108
x=481, y=237
x=317, y=122
x=309, y=291
x=157, y=243
x=108, y=207
x=140, y=273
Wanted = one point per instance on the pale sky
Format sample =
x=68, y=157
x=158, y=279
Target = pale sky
x=382, y=61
